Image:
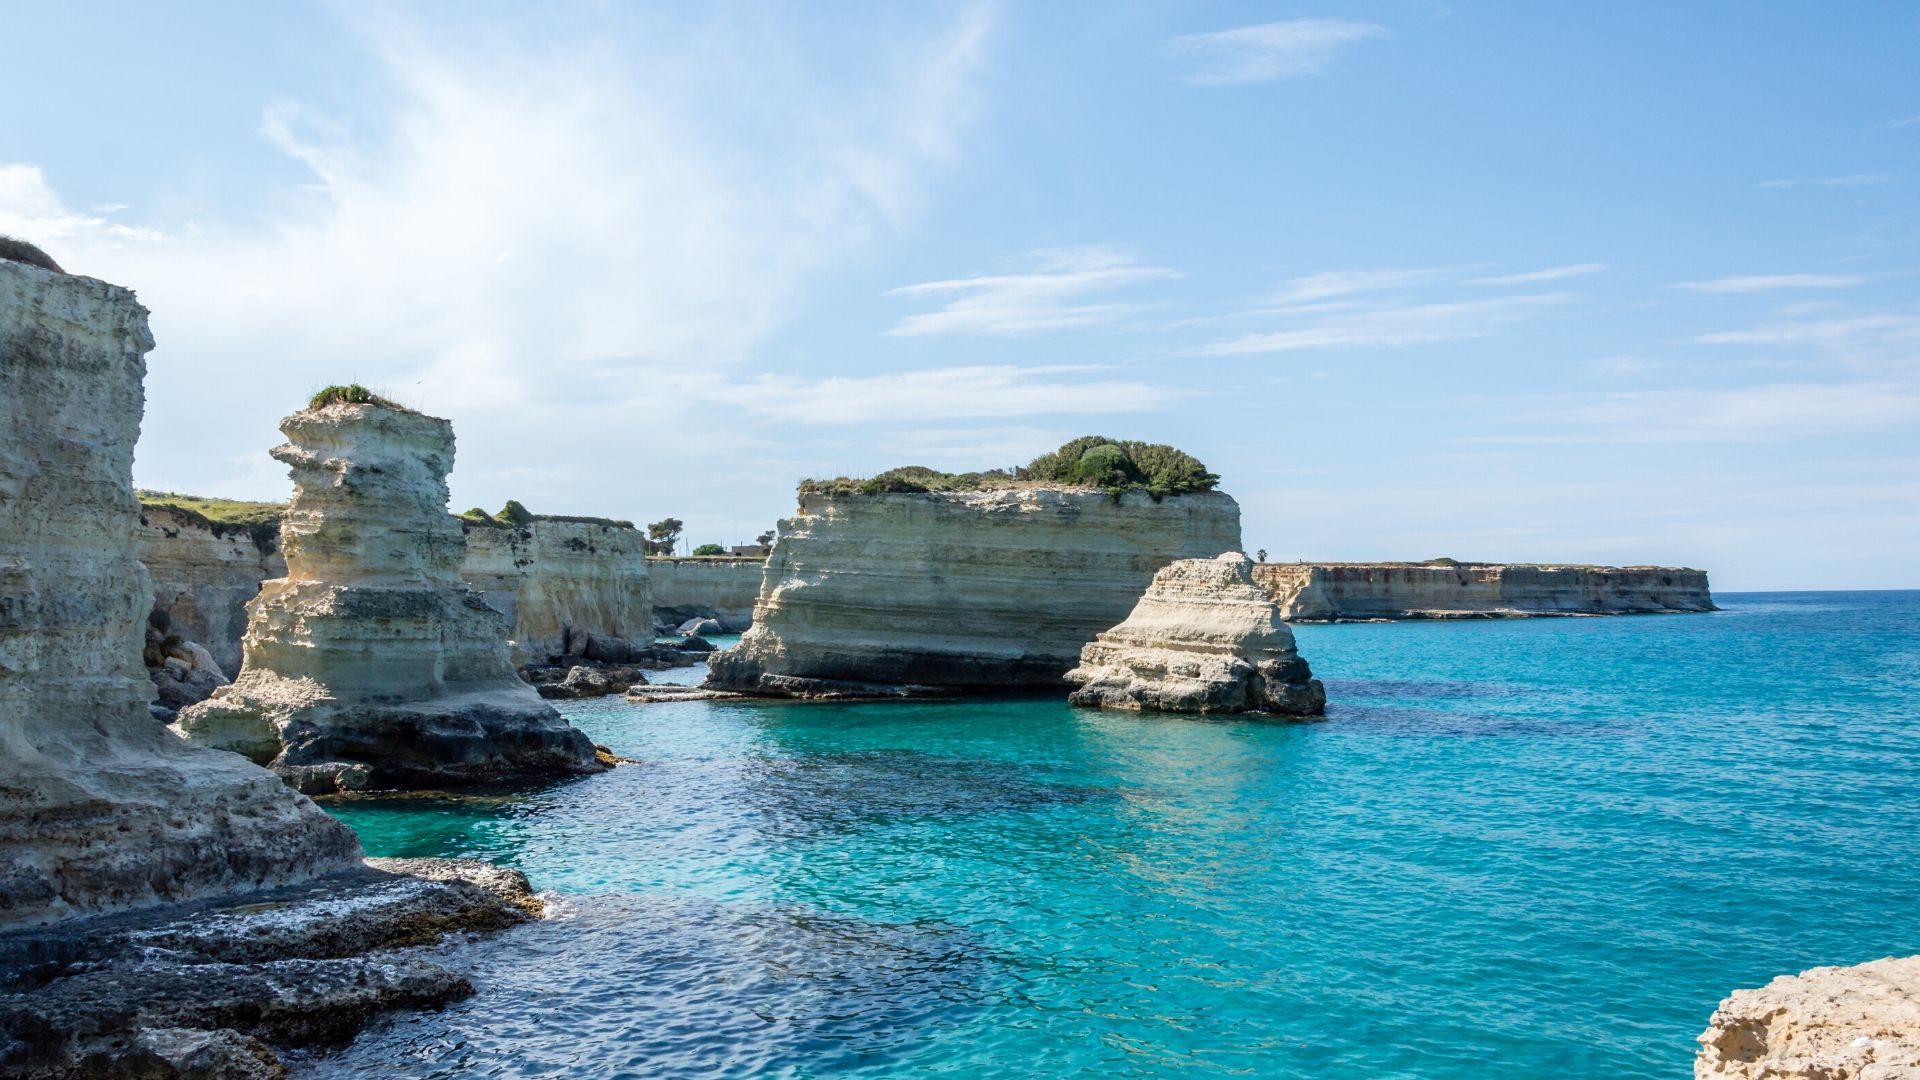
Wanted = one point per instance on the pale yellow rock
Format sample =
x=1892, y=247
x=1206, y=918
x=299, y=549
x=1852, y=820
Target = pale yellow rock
x=100, y=806
x=371, y=664
x=1331, y=592
x=562, y=584
x=1829, y=1023
x=957, y=591
x=204, y=576
x=1203, y=639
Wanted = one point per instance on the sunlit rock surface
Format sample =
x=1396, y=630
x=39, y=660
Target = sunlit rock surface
x=204, y=574
x=1333, y=592
x=1203, y=639
x=569, y=586
x=957, y=591
x=371, y=664
x=723, y=590
x=101, y=807
x=1829, y=1023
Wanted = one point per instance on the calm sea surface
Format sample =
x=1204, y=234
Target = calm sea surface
x=1514, y=849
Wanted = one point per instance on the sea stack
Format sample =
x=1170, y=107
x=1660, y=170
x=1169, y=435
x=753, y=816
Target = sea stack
x=569, y=586
x=371, y=665
x=100, y=806
x=1829, y=1023
x=1204, y=639
x=889, y=592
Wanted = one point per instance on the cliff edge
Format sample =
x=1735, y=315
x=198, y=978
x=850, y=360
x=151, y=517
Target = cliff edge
x=1828, y=1023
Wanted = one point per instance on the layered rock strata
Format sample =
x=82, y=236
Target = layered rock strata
x=571, y=587
x=1204, y=639
x=723, y=590
x=100, y=807
x=956, y=592
x=205, y=573
x=1829, y=1023
x=219, y=988
x=371, y=664
x=1335, y=592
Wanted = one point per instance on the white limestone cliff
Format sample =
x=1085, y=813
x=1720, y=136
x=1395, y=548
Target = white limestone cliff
x=100, y=806
x=371, y=664
x=1829, y=1023
x=569, y=586
x=1335, y=592
x=1203, y=639
x=204, y=574
x=957, y=591
x=723, y=590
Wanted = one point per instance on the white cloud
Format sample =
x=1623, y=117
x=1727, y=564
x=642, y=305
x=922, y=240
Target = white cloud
x=1556, y=273
x=1850, y=180
x=1392, y=327
x=1275, y=50
x=953, y=393
x=1820, y=331
x=1047, y=299
x=1753, y=283
x=1905, y=121
x=1753, y=413
x=31, y=210
x=1331, y=283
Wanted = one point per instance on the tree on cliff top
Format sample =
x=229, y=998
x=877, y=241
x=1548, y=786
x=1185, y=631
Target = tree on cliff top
x=709, y=549
x=1093, y=461
x=664, y=535
x=17, y=250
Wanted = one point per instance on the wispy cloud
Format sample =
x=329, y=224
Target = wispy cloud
x=954, y=393
x=1049, y=298
x=1753, y=283
x=1332, y=283
x=1850, y=180
x=1751, y=413
x=1556, y=273
x=1392, y=327
x=1905, y=121
x=31, y=209
x=1821, y=331
x=1275, y=50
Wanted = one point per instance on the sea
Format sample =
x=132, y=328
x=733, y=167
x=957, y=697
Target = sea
x=1524, y=848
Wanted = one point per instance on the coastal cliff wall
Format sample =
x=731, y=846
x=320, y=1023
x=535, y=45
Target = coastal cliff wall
x=705, y=588
x=561, y=581
x=1329, y=592
x=958, y=591
x=100, y=806
x=204, y=574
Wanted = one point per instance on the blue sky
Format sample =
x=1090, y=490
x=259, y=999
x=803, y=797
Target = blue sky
x=1618, y=283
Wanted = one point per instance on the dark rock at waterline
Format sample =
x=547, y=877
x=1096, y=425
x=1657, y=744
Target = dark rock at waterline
x=696, y=644
x=210, y=989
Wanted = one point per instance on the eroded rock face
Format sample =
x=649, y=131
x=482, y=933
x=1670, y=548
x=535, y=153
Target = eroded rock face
x=1204, y=639
x=1333, y=592
x=371, y=664
x=563, y=583
x=204, y=575
x=957, y=591
x=100, y=806
x=1829, y=1023
x=723, y=590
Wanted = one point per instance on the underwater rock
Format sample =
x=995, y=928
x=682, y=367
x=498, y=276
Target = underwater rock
x=1203, y=639
x=101, y=808
x=1828, y=1023
x=372, y=665
x=955, y=592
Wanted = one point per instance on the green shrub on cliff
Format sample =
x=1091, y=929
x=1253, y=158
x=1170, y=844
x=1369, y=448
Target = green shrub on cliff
x=1091, y=461
x=352, y=394
x=259, y=521
x=709, y=549
x=514, y=514
x=17, y=250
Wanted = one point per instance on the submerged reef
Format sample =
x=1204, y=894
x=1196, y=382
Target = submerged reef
x=1203, y=639
x=957, y=591
x=371, y=664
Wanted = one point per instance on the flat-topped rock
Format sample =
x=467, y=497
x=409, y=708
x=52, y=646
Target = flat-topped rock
x=1445, y=589
x=101, y=808
x=372, y=664
x=957, y=591
x=1203, y=639
x=1828, y=1023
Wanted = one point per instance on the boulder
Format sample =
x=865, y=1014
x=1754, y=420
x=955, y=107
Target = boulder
x=700, y=628
x=1828, y=1023
x=1203, y=639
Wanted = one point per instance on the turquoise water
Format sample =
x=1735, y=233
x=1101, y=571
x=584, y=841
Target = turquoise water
x=1514, y=849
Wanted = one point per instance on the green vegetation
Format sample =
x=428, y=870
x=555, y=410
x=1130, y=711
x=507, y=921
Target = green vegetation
x=664, y=535
x=20, y=251
x=709, y=549
x=514, y=514
x=352, y=394
x=259, y=521
x=1441, y=561
x=1116, y=466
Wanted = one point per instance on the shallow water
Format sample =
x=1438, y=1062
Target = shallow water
x=1542, y=847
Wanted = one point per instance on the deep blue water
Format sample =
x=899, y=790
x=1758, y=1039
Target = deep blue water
x=1514, y=849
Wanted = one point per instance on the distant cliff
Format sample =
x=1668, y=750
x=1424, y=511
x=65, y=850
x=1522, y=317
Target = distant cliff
x=205, y=570
x=958, y=590
x=706, y=588
x=1333, y=592
x=560, y=580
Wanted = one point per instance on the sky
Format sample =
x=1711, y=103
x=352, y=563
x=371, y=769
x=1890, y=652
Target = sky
x=1622, y=283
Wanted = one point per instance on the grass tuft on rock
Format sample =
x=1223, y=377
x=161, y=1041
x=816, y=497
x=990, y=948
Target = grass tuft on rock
x=17, y=250
x=1116, y=466
x=353, y=394
x=259, y=521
